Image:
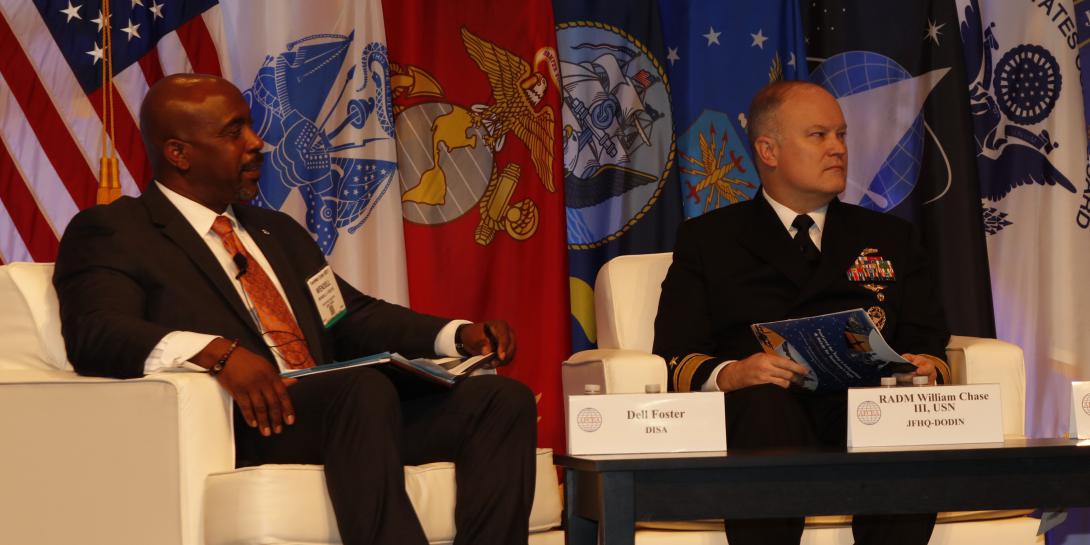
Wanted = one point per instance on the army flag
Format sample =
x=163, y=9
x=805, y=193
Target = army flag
x=898, y=71
x=1030, y=134
x=316, y=76
x=718, y=56
x=477, y=107
x=619, y=157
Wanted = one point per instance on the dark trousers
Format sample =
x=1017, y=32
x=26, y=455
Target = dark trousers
x=364, y=425
x=768, y=416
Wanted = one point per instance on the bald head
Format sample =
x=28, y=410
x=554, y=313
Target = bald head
x=197, y=133
x=169, y=109
x=798, y=134
x=762, y=119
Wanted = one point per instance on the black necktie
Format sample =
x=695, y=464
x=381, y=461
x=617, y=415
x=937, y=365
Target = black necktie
x=802, y=238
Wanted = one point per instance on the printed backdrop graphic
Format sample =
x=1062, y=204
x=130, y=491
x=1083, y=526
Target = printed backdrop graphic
x=1076, y=529
x=476, y=99
x=717, y=60
x=1030, y=134
x=898, y=73
x=618, y=142
x=316, y=76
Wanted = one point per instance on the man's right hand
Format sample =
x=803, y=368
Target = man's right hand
x=255, y=385
x=760, y=368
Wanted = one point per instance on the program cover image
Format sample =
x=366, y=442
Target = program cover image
x=842, y=349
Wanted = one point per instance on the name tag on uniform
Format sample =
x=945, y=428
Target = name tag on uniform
x=327, y=296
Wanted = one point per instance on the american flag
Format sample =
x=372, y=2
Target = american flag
x=51, y=102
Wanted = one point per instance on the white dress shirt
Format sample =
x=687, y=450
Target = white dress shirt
x=787, y=217
x=174, y=350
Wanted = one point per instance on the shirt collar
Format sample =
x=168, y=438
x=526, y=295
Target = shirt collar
x=198, y=215
x=787, y=215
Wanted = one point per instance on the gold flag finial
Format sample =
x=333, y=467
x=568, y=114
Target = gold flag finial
x=109, y=185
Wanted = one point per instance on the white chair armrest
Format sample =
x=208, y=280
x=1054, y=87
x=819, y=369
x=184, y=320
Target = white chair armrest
x=206, y=444
x=975, y=360
x=103, y=461
x=615, y=370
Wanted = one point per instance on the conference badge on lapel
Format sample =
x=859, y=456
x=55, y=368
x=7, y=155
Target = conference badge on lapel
x=874, y=273
x=327, y=296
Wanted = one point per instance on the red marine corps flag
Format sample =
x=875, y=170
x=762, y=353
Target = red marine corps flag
x=476, y=103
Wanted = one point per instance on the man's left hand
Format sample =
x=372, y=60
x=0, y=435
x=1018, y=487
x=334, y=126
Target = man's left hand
x=494, y=336
x=924, y=366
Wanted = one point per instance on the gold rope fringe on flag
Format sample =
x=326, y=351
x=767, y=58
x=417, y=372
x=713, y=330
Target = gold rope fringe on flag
x=109, y=184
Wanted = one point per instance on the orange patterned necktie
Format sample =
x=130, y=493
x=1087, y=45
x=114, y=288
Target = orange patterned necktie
x=283, y=333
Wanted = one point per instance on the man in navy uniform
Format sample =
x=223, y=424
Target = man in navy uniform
x=788, y=254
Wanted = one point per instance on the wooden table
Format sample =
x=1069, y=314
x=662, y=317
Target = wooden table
x=607, y=494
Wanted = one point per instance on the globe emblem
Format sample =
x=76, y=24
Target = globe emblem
x=1086, y=403
x=1027, y=83
x=856, y=71
x=589, y=419
x=868, y=412
x=453, y=157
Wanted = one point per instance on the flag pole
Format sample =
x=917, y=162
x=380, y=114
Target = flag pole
x=109, y=186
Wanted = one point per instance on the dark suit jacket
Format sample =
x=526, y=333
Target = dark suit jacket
x=737, y=266
x=131, y=272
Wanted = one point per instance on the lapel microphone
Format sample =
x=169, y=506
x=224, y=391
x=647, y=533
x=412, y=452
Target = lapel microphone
x=242, y=263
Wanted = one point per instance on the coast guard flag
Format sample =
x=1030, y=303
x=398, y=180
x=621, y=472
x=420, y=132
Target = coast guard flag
x=51, y=103
x=317, y=78
x=1026, y=102
x=477, y=103
x=620, y=179
x=719, y=55
x=1082, y=17
x=898, y=72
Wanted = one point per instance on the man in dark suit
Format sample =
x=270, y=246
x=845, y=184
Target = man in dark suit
x=787, y=254
x=184, y=275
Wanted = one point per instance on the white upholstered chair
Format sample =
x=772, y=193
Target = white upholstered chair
x=151, y=460
x=626, y=296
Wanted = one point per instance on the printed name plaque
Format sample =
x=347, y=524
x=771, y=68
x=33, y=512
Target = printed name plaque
x=646, y=423
x=1080, y=410
x=924, y=415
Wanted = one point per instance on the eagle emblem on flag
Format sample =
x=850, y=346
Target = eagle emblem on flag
x=316, y=149
x=457, y=147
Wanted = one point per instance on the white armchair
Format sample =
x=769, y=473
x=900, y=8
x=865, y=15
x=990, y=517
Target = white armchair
x=151, y=460
x=626, y=296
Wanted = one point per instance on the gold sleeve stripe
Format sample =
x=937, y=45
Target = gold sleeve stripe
x=683, y=371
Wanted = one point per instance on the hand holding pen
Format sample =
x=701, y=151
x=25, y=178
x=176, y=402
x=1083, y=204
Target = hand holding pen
x=494, y=336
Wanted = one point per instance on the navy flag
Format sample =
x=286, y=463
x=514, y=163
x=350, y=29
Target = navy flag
x=898, y=71
x=620, y=186
x=719, y=57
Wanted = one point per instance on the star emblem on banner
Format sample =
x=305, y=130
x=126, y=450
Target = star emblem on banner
x=133, y=30
x=791, y=59
x=712, y=36
x=671, y=55
x=96, y=54
x=933, y=31
x=137, y=3
x=759, y=39
x=72, y=12
x=156, y=10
